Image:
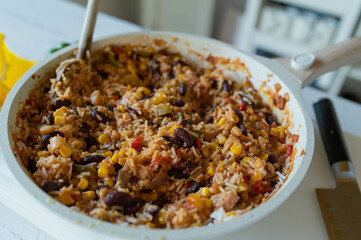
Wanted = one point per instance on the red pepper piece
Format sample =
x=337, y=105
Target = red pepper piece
x=260, y=188
x=137, y=143
x=245, y=179
x=117, y=50
x=198, y=143
x=282, y=140
x=289, y=149
x=243, y=106
x=115, y=97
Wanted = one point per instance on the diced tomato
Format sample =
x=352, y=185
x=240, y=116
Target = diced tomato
x=282, y=140
x=117, y=50
x=198, y=143
x=289, y=149
x=245, y=179
x=137, y=143
x=258, y=188
x=187, y=185
x=201, y=90
x=194, y=201
x=243, y=106
x=159, y=160
x=115, y=97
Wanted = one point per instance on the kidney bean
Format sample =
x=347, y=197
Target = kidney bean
x=134, y=207
x=270, y=119
x=184, y=136
x=183, y=89
x=50, y=117
x=32, y=165
x=177, y=173
x=110, y=108
x=154, y=210
x=131, y=111
x=160, y=202
x=46, y=138
x=173, y=140
x=48, y=186
x=118, y=198
x=98, y=116
x=179, y=103
x=272, y=159
x=214, y=83
x=148, y=96
x=91, y=159
x=90, y=141
x=185, y=165
x=117, y=167
x=179, y=62
x=194, y=187
x=84, y=127
x=104, y=75
x=243, y=129
x=186, y=122
x=238, y=114
x=60, y=103
x=209, y=119
x=226, y=87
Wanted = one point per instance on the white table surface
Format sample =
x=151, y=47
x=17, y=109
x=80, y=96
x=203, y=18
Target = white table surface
x=33, y=27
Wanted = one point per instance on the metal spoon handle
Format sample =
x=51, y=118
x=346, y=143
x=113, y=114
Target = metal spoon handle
x=88, y=29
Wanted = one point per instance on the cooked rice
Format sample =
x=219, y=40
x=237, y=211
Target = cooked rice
x=117, y=151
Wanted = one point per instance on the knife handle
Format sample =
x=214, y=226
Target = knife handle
x=333, y=138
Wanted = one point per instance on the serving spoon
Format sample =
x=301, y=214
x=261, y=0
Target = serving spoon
x=86, y=38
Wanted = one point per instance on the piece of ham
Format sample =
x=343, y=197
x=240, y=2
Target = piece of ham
x=123, y=177
x=158, y=179
x=228, y=201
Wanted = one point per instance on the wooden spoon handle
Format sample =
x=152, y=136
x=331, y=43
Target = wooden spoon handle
x=327, y=59
x=88, y=29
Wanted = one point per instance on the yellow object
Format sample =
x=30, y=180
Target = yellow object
x=43, y=153
x=159, y=97
x=256, y=176
x=65, y=151
x=222, y=121
x=242, y=187
x=143, y=67
x=205, y=192
x=103, y=138
x=65, y=198
x=110, y=182
x=115, y=157
x=211, y=170
x=60, y=112
x=215, y=146
x=122, y=108
x=108, y=154
x=12, y=68
x=103, y=172
x=264, y=156
x=174, y=127
x=83, y=184
x=150, y=225
x=144, y=90
x=221, y=139
x=236, y=148
x=59, y=120
x=207, y=203
x=122, y=161
x=89, y=194
x=138, y=95
x=264, y=133
x=129, y=87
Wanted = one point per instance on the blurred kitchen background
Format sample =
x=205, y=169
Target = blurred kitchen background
x=265, y=27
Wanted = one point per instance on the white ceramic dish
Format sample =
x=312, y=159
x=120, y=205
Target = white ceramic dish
x=56, y=219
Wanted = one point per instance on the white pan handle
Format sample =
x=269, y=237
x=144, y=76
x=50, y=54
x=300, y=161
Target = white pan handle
x=307, y=67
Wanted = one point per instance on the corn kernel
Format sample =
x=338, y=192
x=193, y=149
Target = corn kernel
x=221, y=139
x=150, y=50
x=153, y=196
x=102, y=192
x=43, y=153
x=234, y=165
x=161, y=217
x=122, y=161
x=144, y=90
x=122, y=152
x=131, y=68
x=150, y=225
x=108, y=154
x=281, y=130
x=211, y=170
x=60, y=112
x=236, y=148
x=65, y=198
x=143, y=67
x=264, y=133
x=129, y=87
x=174, y=127
x=282, y=148
x=103, y=172
x=115, y=158
x=222, y=121
x=83, y=184
x=214, y=146
x=245, y=159
x=103, y=138
x=245, y=84
x=205, y=192
x=89, y=194
x=236, y=119
x=65, y=151
x=162, y=189
x=138, y=95
x=180, y=77
x=256, y=176
x=230, y=214
x=242, y=187
x=159, y=97
x=207, y=203
x=274, y=131
x=264, y=156
x=122, y=108
x=110, y=182
x=129, y=152
x=59, y=120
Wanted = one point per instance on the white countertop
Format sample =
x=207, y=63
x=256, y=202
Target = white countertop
x=34, y=27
